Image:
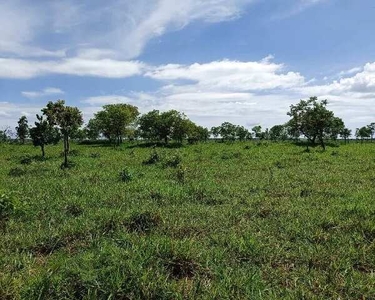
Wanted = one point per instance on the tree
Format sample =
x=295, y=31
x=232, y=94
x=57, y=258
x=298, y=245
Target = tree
x=164, y=126
x=215, y=131
x=363, y=133
x=114, y=121
x=197, y=133
x=371, y=128
x=345, y=134
x=313, y=120
x=22, y=129
x=242, y=133
x=278, y=133
x=5, y=135
x=228, y=131
x=44, y=134
x=67, y=119
x=92, y=129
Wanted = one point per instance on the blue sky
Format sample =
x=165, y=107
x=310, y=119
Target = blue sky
x=243, y=61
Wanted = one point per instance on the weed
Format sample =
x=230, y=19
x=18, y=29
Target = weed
x=173, y=161
x=153, y=159
x=17, y=172
x=126, y=175
x=143, y=222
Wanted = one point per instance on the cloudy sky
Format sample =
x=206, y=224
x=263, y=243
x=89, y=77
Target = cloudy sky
x=243, y=61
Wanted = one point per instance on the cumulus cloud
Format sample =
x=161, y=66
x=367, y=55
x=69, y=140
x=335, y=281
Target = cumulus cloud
x=231, y=75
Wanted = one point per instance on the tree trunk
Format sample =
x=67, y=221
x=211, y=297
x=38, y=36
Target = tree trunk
x=166, y=140
x=322, y=144
x=43, y=153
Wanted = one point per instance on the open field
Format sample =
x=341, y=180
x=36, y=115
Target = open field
x=207, y=221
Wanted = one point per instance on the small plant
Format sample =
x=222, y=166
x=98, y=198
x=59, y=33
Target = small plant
x=94, y=155
x=126, y=175
x=305, y=193
x=153, y=159
x=16, y=172
x=67, y=165
x=143, y=222
x=6, y=206
x=74, y=210
x=181, y=174
x=173, y=161
x=247, y=147
x=26, y=160
x=180, y=266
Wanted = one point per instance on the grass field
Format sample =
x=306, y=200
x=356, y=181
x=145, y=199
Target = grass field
x=207, y=221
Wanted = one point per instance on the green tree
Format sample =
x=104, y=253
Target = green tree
x=44, y=134
x=114, y=121
x=371, y=127
x=164, y=126
x=345, y=134
x=22, y=129
x=215, y=131
x=67, y=119
x=228, y=131
x=242, y=133
x=92, y=129
x=5, y=135
x=363, y=133
x=312, y=119
x=278, y=133
x=197, y=133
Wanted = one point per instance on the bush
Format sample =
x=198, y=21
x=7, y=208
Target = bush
x=153, y=159
x=126, y=175
x=6, y=206
x=173, y=161
x=26, y=160
x=181, y=174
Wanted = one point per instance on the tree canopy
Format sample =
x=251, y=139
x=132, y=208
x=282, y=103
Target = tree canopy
x=113, y=121
x=22, y=129
x=312, y=119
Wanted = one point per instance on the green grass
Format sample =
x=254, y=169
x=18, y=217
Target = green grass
x=207, y=221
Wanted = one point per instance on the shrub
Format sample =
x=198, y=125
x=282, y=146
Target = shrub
x=26, y=160
x=126, y=175
x=181, y=174
x=173, y=161
x=153, y=159
x=6, y=206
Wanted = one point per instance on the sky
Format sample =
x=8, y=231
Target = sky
x=242, y=61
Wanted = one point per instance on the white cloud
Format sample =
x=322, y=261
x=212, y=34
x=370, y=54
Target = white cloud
x=10, y=113
x=298, y=7
x=118, y=28
x=24, y=69
x=45, y=92
x=231, y=75
x=166, y=15
x=108, y=99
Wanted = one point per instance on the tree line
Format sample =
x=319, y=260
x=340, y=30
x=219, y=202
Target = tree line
x=310, y=119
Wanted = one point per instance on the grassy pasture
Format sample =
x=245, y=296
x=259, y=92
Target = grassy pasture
x=207, y=221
